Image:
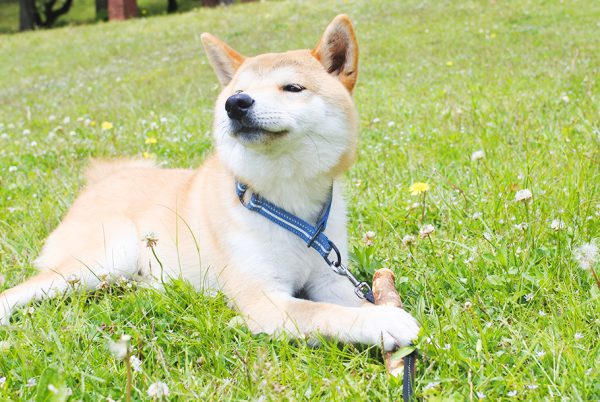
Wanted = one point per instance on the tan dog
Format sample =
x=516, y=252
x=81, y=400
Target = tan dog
x=285, y=124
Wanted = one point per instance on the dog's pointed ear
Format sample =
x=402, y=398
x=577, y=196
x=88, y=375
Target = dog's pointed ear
x=338, y=51
x=223, y=59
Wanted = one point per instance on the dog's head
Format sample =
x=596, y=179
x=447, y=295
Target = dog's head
x=287, y=114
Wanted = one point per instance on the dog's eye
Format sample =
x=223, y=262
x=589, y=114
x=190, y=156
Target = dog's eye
x=293, y=88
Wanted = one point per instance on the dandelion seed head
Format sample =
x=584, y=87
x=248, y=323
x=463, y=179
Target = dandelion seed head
x=120, y=348
x=586, y=255
x=426, y=231
x=136, y=364
x=557, y=225
x=158, y=390
x=408, y=240
x=523, y=195
x=477, y=155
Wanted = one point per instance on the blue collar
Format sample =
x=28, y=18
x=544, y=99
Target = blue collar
x=313, y=236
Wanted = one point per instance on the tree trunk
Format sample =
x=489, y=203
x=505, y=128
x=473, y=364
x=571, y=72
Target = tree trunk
x=102, y=10
x=171, y=6
x=210, y=3
x=29, y=17
x=51, y=15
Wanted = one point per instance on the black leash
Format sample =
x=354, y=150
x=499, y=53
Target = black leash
x=408, y=379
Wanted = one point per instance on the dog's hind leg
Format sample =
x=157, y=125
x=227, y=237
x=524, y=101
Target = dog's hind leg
x=108, y=256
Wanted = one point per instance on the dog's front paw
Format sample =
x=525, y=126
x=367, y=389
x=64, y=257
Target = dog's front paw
x=393, y=325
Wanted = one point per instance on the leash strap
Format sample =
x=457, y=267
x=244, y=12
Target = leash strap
x=313, y=236
x=408, y=379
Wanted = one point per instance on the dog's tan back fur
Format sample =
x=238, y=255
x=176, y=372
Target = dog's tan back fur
x=289, y=145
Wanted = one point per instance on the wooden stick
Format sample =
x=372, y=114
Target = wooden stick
x=385, y=294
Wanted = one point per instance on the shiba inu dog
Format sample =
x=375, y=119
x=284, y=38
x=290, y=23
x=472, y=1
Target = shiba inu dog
x=285, y=125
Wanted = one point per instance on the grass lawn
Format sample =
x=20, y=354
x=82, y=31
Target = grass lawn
x=506, y=311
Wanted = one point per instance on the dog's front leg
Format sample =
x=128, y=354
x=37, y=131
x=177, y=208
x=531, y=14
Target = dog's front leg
x=277, y=312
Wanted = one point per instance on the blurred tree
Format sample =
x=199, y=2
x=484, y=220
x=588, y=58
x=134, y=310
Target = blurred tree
x=102, y=10
x=171, y=6
x=30, y=16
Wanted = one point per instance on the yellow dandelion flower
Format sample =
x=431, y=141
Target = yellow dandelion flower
x=147, y=155
x=107, y=125
x=93, y=123
x=151, y=140
x=418, y=188
x=449, y=63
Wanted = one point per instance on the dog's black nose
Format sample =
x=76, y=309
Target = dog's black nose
x=237, y=105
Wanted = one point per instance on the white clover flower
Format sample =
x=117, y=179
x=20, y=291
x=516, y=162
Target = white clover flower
x=586, y=255
x=477, y=215
x=477, y=155
x=408, y=240
x=158, y=390
x=522, y=226
x=66, y=120
x=512, y=393
x=391, y=123
x=51, y=117
x=136, y=364
x=368, y=238
x=557, y=225
x=431, y=385
x=376, y=120
x=480, y=395
x=540, y=354
x=426, y=231
x=578, y=335
x=2, y=381
x=73, y=279
x=532, y=386
x=528, y=296
x=26, y=132
x=163, y=120
x=52, y=388
x=542, y=313
x=12, y=169
x=32, y=382
x=523, y=195
x=120, y=348
x=103, y=275
x=468, y=305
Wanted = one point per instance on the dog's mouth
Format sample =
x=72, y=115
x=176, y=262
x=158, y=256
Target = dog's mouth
x=253, y=134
